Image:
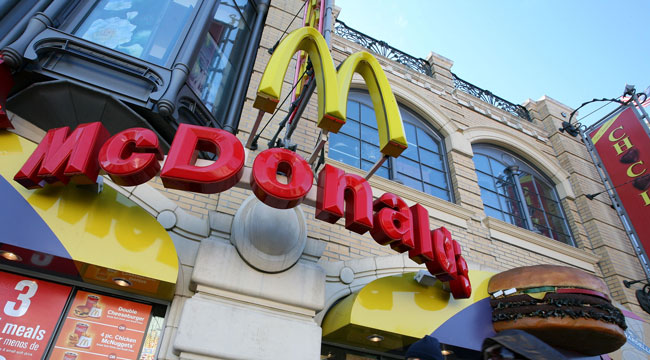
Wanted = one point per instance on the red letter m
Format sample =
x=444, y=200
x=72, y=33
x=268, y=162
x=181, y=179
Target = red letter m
x=60, y=157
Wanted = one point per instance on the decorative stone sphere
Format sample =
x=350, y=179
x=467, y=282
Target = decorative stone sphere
x=268, y=239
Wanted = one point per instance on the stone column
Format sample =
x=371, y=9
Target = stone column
x=441, y=69
x=257, y=292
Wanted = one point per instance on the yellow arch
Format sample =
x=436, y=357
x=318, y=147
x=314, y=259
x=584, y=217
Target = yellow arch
x=333, y=87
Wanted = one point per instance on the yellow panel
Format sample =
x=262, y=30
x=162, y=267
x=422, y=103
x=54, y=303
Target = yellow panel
x=333, y=87
x=392, y=140
x=399, y=305
x=106, y=230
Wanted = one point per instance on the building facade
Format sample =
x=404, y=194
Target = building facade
x=259, y=283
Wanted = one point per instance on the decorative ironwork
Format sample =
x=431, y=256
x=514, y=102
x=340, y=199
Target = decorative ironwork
x=490, y=98
x=381, y=48
x=423, y=66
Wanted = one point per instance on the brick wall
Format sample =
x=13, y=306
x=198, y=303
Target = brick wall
x=594, y=224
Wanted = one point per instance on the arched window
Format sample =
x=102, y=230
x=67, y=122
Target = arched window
x=422, y=166
x=513, y=191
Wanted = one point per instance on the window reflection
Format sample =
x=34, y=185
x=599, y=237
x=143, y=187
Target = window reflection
x=146, y=29
x=217, y=63
x=538, y=211
x=421, y=166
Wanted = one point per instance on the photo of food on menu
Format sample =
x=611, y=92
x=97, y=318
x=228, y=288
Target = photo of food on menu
x=102, y=327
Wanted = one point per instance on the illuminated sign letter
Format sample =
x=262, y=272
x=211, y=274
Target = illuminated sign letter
x=335, y=188
x=60, y=157
x=392, y=223
x=180, y=171
x=423, y=249
x=131, y=156
x=266, y=186
x=333, y=87
x=444, y=266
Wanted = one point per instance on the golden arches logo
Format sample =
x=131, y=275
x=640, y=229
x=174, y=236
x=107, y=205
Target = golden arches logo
x=333, y=87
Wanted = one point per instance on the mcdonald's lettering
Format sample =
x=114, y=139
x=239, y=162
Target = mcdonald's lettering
x=333, y=87
x=388, y=219
x=132, y=156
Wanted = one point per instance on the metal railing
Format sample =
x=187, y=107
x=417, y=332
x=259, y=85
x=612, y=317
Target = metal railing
x=381, y=48
x=422, y=66
x=490, y=98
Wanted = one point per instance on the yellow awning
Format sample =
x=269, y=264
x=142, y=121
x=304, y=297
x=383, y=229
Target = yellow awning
x=81, y=234
x=397, y=308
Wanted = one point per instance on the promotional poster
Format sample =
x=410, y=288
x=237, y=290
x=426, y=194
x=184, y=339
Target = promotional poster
x=29, y=311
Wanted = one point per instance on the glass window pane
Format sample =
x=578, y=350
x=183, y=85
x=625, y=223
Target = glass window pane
x=351, y=128
x=407, y=166
x=542, y=230
x=540, y=200
x=509, y=205
x=436, y=191
x=433, y=176
x=370, y=152
x=497, y=167
x=243, y=9
x=219, y=58
x=496, y=214
x=370, y=135
x=409, y=181
x=490, y=199
x=506, y=188
x=482, y=163
x=551, y=207
x=431, y=159
x=409, y=131
x=382, y=171
x=411, y=152
x=485, y=181
x=426, y=141
x=368, y=116
x=558, y=224
x=344, y=148
x=353, y=110
x=146, y=29
x=564, y=238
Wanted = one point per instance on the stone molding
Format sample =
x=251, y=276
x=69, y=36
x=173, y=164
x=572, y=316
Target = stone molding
x=542, y=245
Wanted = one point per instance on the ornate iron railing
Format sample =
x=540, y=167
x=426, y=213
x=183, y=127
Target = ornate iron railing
x=423, y=66
x=381, y=48
x=490, y=98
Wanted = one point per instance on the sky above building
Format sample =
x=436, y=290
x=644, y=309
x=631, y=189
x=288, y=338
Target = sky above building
x=570, y=50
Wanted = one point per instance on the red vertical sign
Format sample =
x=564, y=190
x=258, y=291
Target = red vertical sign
x=623, y=145
x=29, y=311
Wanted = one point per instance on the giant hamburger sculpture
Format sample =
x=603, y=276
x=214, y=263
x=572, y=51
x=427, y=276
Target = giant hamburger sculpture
x=565, y=307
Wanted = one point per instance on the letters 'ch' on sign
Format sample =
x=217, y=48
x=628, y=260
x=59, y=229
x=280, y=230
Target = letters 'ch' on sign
x=623, y=145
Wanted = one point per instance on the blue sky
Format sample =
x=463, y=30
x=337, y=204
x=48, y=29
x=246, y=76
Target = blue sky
x=570, y=50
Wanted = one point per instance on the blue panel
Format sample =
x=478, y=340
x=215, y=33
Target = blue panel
x=23, y=227
x=469, y=327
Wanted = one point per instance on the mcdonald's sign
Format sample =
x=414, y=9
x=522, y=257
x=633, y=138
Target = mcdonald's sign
x=132, y=156
x=333, y=87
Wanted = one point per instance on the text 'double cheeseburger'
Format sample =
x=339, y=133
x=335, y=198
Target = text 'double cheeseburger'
x=565, y=307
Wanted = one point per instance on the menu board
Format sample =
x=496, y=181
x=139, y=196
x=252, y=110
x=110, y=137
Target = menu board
x=102, y=327
x=29, y=311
